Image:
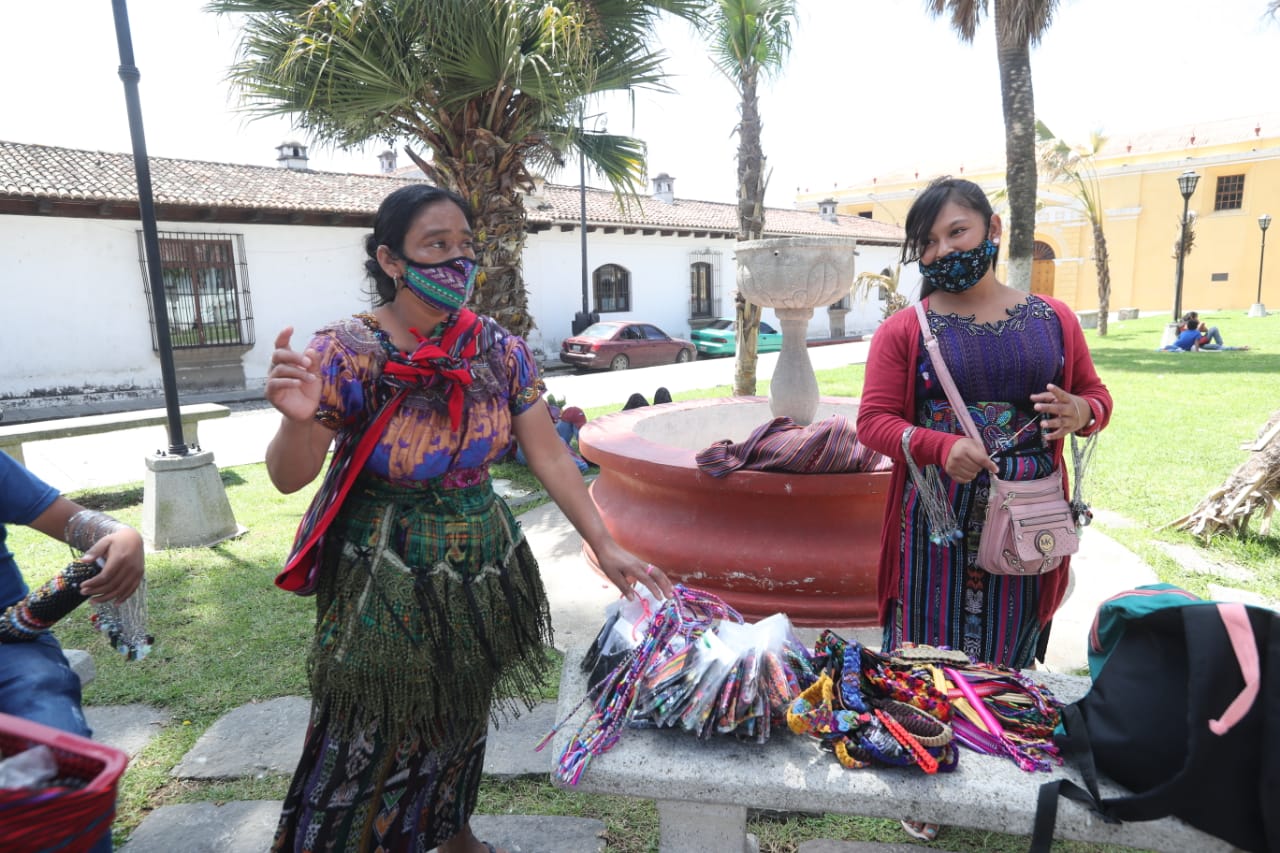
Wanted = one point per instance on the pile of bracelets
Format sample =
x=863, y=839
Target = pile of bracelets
x=696, y=667
x=917, y=705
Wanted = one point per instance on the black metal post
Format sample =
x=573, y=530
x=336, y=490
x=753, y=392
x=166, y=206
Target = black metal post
x=1182, y=251
x=150, y=238
x=582, y=213
x=1262, y=253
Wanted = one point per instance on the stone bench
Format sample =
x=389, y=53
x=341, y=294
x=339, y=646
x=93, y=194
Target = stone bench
x=704, y=789
x=13, y=436
x=1127, y=314
x=82, y=665
x=1088, y=319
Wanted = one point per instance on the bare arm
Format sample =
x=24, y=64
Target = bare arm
x=120, y=550
x=550, y=462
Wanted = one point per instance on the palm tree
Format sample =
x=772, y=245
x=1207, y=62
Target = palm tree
x=488, y=90
x=886, y=281
x=750, y=39
x=1019, y=25
x=1075, y=167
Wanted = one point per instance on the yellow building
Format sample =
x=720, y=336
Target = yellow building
x=1238, y=161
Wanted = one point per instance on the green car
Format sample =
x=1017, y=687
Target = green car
x=720, y=338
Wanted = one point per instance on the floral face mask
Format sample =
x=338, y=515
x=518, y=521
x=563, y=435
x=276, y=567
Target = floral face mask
x=959, y=271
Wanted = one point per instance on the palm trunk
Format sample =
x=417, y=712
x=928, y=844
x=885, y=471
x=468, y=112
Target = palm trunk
x=1103, y=264
x=750, y=227
x=1020, y=145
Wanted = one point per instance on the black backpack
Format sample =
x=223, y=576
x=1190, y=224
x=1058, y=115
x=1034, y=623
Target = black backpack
x=1184, y=711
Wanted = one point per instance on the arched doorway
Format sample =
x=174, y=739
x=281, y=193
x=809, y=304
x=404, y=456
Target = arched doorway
x=1042, y=268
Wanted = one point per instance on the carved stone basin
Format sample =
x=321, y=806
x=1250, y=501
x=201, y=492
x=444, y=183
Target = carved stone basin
x=766, y=542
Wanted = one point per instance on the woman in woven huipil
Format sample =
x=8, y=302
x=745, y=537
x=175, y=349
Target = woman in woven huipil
x=429, y=602
x=1022, y=366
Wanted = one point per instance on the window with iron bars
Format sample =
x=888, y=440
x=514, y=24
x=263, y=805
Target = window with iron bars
x=206, y=288
x=613, y=289
x=1230, y=193
x=701, y=290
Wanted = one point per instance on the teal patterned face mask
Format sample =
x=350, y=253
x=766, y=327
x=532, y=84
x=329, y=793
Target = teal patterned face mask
x=445, y=286
x=959, y=271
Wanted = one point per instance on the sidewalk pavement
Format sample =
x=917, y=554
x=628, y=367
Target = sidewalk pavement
x=265, y=738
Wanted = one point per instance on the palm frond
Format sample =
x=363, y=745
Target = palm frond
x=963, y=15
x=750, y=37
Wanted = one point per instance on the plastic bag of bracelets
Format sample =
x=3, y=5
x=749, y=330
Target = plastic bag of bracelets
x=773, y=667
x=861, y=725
x=624, y=627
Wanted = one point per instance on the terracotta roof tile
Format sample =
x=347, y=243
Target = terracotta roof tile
x=66, y=174
x=561, y=204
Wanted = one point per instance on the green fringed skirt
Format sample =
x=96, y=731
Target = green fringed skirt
x=430, y=610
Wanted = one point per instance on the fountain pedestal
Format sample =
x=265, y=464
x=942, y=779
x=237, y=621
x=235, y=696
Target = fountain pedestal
x=794, y=275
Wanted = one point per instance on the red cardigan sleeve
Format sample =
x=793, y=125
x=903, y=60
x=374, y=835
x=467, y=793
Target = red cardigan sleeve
x=1079, y=375
x=888, y=395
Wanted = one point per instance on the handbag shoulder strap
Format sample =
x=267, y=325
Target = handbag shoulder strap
x=944, y=376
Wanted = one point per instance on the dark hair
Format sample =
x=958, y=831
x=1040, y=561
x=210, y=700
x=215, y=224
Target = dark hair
x=391, y=226
x=925, y=209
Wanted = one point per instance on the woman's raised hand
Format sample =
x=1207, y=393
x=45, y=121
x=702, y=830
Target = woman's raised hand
x=293, y=382
x=1061, y=413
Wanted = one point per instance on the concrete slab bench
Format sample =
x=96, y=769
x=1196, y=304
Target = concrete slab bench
x=1127, y=314
x=1088, y=319
x=82, y=665
x=13, y=436
x=704, y=789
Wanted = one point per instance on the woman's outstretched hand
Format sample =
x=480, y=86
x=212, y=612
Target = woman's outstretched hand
x=625, y=570
x=293, y=381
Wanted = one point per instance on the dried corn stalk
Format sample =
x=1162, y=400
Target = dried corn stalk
x=1252, y=488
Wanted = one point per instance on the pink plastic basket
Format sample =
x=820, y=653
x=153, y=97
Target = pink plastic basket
x=71, y=815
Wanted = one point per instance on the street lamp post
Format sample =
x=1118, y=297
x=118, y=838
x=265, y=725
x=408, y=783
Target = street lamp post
x=585, y=317
x=1258, y=309
x=1186, y=185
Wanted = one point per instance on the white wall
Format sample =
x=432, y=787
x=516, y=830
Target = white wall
x=75, y=304
x=76, y=318
x=659, y=268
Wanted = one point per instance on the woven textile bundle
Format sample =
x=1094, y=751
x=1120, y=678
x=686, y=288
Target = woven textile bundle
x=828, y=446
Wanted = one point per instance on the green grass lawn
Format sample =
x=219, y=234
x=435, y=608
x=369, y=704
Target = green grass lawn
x=226, y=636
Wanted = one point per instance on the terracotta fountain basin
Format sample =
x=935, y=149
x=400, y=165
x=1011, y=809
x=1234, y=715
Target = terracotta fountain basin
x=803, y=544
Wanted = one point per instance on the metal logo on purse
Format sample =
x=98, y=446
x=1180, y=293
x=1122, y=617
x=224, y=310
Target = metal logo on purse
x=1029, y=526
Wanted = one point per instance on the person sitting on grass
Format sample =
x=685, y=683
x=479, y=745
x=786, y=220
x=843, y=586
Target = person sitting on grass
x=567, y=422
x=1195, y=336
x=1209, y=336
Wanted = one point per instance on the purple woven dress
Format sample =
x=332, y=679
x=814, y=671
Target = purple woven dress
x=943, y=598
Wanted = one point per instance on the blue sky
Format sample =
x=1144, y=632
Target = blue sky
x=872, y=87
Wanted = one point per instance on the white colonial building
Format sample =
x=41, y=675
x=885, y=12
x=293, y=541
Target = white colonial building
x=248, y=250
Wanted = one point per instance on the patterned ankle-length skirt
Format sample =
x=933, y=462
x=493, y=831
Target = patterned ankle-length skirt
x=429, y=608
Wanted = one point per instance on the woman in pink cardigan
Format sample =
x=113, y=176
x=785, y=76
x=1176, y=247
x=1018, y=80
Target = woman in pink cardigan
x=1022, y=366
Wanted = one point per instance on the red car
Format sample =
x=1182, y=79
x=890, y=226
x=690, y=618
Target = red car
x=619, y=344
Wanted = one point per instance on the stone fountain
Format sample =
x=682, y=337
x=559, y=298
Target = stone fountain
x=765, y=541
x=793, y=276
